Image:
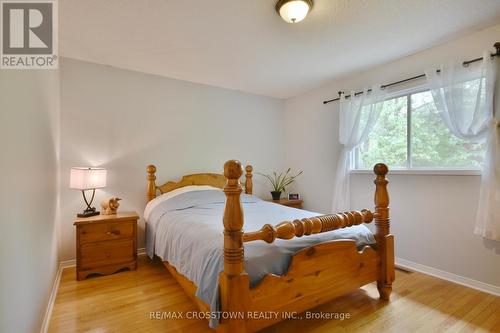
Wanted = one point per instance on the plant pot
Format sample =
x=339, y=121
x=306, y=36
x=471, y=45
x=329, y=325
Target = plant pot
x=276, y=195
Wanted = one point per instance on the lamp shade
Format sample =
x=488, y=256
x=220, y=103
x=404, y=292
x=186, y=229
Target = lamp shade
x=87, y=178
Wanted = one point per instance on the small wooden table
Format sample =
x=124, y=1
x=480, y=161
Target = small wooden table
x=289, y=203
x=106, y=244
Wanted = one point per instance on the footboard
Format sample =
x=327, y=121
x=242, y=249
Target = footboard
x=316, y=274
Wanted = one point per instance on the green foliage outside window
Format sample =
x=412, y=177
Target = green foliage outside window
x=431, y=143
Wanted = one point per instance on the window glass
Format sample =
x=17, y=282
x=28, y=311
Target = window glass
x=432, y=144
x=387, y=141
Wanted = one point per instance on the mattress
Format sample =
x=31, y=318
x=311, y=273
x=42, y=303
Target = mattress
x=184, y=227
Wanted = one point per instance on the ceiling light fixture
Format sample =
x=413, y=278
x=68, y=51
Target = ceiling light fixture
x=293, y=11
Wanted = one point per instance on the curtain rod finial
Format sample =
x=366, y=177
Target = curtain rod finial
x=497, y=47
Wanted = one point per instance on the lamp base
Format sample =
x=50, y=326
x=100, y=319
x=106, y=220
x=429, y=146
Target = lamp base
x=88, y=213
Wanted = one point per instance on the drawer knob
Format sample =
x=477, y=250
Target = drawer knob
x=113, y=233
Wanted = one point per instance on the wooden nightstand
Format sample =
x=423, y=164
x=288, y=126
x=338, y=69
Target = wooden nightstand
x=106, y=244
x=289, y=203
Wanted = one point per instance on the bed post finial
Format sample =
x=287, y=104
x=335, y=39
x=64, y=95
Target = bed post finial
x=248, y=179
x=385, y=240
x=151, y=191
x=234, y=284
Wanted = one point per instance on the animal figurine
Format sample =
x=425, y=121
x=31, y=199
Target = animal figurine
x=110, y=206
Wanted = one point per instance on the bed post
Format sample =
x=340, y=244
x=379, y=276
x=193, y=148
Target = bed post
x=234, y=284
x=385, y=240
x=248, y=179
x=151, y=191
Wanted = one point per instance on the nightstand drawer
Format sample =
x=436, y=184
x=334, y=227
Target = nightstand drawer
x=106, y=253
x=106, y=231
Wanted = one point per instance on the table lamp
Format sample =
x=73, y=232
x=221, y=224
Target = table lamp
x=84, y=179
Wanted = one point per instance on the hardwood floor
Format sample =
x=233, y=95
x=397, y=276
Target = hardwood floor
x=123, y=302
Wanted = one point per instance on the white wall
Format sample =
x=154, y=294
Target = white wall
x=125, y=120
x=28, y=178
x=433, y=216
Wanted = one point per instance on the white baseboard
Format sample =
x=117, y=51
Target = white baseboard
x=72, y=262
x=464, y=281
x=55, y=287
x=52, y=299
x=68, y=263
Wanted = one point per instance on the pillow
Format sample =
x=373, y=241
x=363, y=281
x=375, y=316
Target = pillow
x=165, y=196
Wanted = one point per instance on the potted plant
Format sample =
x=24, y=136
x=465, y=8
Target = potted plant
x=279, y=182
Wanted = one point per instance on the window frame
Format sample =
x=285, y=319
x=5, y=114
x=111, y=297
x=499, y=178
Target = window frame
x=409, y=169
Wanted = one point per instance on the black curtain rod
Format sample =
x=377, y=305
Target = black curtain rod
x=465, y=63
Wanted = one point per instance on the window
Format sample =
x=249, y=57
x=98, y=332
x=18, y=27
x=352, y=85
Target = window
x=410, y=134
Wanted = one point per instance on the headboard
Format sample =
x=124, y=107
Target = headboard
x=212, y=179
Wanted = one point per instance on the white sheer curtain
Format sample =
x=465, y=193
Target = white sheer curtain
x=488, y=211
x=464, y=100
x=358, y=115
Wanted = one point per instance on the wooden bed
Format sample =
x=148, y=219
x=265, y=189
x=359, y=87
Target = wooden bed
x=316, y=275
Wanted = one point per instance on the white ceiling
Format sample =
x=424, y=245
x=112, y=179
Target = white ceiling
x=244, y=45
